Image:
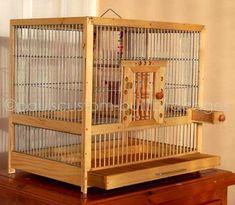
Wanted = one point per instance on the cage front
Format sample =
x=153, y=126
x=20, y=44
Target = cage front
x=131, y=147
x=113, y=45
x=141, y=78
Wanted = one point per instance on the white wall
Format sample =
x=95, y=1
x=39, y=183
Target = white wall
x=12, y=9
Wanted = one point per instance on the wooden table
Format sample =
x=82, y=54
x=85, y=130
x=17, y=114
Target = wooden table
x=208, y=187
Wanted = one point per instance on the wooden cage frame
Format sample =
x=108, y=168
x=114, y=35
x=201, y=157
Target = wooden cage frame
x=83, y=176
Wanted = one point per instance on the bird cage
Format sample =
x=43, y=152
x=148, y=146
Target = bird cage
x=99, y=102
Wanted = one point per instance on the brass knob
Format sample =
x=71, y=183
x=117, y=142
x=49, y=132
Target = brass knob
x=222, y=118
x=159, y=95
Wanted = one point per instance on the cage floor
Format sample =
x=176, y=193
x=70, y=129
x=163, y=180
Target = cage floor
x=146, y=171
x=112, y=152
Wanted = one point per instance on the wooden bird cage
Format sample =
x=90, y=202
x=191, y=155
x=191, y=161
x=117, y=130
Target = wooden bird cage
x=107, y=102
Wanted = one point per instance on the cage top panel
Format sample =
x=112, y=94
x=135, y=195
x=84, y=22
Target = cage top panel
x=108, y=22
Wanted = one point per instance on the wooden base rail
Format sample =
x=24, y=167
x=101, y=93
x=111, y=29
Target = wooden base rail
x=62, y=126
x=197, y=116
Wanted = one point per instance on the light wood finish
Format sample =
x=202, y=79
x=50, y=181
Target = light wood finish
x=140, y=125
x=137, y=65
x=132, y=174
x=60, y=115
x=102, y=129
x=48, y=21
x=205, y=116
x=142, y=70
x=202, y=49
x=87, y=102
x=128, y=92
x=159, y=85
x=47, y=168
x=57, y=125
x=108, y=22
x=145, y=24
x=11, y=133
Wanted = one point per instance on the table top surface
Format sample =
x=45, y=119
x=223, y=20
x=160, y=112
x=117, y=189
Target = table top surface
x=24, y=187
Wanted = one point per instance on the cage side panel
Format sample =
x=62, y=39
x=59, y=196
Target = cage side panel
x=129, y=147
x=48, y=71
x=48, y=144
x=112, y=44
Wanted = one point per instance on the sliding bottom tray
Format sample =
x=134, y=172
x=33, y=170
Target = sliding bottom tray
x=115, y=177
x=148, y=171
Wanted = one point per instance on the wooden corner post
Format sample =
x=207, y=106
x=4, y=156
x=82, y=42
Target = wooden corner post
x=87, y=103
x=201, y=81
x=10, y=105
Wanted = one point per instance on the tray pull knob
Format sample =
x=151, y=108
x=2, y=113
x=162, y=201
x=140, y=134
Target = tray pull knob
x=222, y=118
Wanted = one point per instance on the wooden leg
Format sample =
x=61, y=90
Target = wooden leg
x=10, y=145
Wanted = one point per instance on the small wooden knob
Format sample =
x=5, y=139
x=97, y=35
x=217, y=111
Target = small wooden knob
x=159, y=95
x=222, y=118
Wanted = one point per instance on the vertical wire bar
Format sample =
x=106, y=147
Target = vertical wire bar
x=123, y=144
x=118, y=147
x=120, y=93
x=109, y=80
x=109, y=149
x=77, y=59
x=60, y=71
x=114, y=138
x=116, y=67
x=194, y=68
x=159, y=142
x=67, y=71
x=180, y=84
x=104, y=149
x=48, y=83
x=103, y=76
x=100, y=75
x=171, y=71
x=58, y=60
x=95, y=150
x=105, y=80
x=80, y=68
x=112, y=71
x=70, y=88
x=162, y=139
x=155, y=144
x=191, y=68
x=177, y=75
x=63, y=72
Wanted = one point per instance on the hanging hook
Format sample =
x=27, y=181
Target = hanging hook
x=111, y=11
